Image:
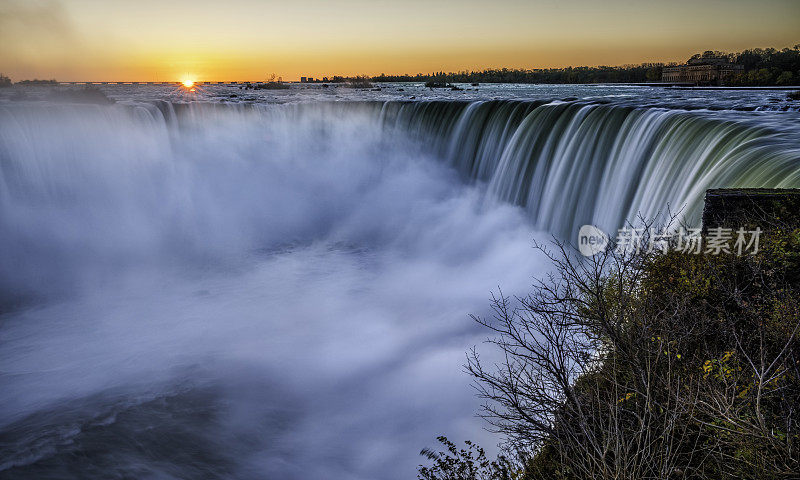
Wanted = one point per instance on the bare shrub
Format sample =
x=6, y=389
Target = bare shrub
x=636, y=365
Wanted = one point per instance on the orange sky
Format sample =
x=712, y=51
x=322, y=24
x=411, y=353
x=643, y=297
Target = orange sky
x=149, y=40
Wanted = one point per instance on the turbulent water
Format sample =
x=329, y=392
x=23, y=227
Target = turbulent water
x=278, y=287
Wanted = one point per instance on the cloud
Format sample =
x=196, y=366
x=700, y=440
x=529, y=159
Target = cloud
x=35, y=33
x=27, y=21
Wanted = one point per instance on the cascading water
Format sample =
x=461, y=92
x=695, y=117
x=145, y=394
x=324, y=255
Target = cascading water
x=249, y=291
x=574, y=163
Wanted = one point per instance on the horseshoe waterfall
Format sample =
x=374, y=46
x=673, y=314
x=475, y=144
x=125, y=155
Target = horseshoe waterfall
x=228, y=288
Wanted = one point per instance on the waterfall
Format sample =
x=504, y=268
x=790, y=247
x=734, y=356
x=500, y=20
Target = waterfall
x=565, y=163
x=193, y=289
x=572, y=163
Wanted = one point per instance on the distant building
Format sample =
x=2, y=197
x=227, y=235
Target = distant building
x=303, y=79
x=706, y=69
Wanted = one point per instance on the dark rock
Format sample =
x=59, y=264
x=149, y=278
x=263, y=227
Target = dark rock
x=751, y=207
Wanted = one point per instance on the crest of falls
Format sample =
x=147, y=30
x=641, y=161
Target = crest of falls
x=565, y=163
x=569, y=164
x=572, y=163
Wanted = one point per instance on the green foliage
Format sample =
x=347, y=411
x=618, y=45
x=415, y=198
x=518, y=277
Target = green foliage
x=468, y=463
x=768, y=67
x=740, y=330
x=653, y=74
x=786, y=78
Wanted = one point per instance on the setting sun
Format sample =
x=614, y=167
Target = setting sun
x=188, y=83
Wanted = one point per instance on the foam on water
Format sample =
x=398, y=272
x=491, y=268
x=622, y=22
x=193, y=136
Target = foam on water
x=237, y=293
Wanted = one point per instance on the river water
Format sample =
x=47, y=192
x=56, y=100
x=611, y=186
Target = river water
x=231, y=283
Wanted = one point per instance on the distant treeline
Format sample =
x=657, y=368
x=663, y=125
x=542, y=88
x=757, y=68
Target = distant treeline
x=646, y=72
x=768, y=66
x=761, y=67
x=35, y=81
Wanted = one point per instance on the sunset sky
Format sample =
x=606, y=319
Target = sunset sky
x=156, y=40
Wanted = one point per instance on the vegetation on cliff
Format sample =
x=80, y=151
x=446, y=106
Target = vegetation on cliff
x=649, y=365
